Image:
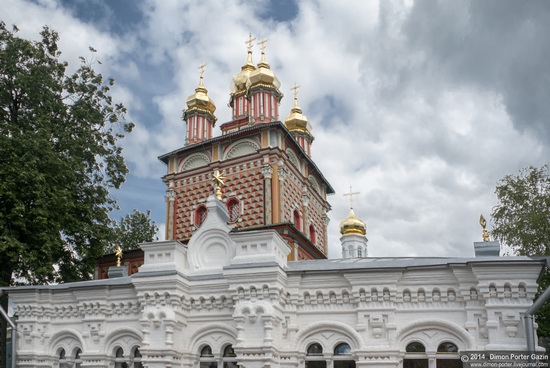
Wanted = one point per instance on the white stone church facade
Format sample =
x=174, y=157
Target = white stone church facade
x=232, y=298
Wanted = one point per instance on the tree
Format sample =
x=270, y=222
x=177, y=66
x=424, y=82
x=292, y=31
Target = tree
x=59, y=158
x=522, y=217
x=133, y=229
x=521, y=221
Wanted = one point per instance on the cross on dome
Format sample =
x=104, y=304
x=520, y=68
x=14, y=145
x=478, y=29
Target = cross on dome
x=295, y=87
x=262, y=44
x=350, y=195
x=250, y=42
x=201, y=68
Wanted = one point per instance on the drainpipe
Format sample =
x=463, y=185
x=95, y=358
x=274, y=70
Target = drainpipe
x=13, y=332
x=529, y=321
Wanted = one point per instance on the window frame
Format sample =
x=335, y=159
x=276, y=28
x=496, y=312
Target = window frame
x=199, y=215
x=230, y=202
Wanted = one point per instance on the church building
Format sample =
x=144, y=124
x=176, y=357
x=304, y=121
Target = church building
x=243, y=278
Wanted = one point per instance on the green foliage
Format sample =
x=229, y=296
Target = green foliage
x=522, y=217
x=133, y=229
x=58, y=159
x=522, y=221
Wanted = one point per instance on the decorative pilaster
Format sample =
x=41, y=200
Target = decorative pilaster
x=326, y=221
x=170, y=200
x=267, y=172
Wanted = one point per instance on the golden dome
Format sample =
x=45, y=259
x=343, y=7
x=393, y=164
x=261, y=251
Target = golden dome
x=353, y=225
x=297, y=121
x=239, y=80
x=200, y=100
x=263, y=74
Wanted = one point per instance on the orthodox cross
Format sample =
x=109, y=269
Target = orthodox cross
x=350, y=195
x=295, y=87
x=202, y=67
x=262, y=44
x=250, y=42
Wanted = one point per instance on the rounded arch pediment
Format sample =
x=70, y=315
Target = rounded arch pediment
x=215, y=335
x=314, y=183
x=293, y=158
x=194, y=161
x=328, y=335
x=67, y=339
x=241, y=148
x=210, y=249
x=125, y=338
x=431, y=333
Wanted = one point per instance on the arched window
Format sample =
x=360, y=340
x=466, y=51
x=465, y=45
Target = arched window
x=415, y=356
x=229, y=357
x=207, y=359
x=312, y=234
x=77, y=358
x=234, y=209
x=447, y=356
x=342, y=356
x=63, y=361
x=314, y=357
x=315, y=349
x=120, y=362
x=200, y=215
x=297, y=220
x=359, y=252
x=136, y=358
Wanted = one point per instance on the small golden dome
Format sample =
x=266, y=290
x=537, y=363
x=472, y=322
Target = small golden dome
x=353, y=225
x=200, y=100
x=239, y=80
x=296, y=120
x=263, y=74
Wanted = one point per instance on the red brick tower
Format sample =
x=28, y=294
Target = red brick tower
x=271, y=181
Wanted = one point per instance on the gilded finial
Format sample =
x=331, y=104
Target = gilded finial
x=350, y=195
x=218, y=184
x=202, y=68
x=118, y=255
x=484, y=232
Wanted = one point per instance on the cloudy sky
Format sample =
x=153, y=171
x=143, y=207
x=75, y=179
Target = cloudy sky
x=420, y=106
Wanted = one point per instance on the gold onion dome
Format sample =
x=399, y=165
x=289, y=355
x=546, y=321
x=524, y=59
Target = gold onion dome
x=200, y=100
x=263, y=74
x=296, y=120
x=240, y=79
x=353, y=225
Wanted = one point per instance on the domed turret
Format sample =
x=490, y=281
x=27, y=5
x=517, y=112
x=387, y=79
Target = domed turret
x=298, y=125
x=199, y=114
x=200, y=100
x=263, y=92
x=263, y=74
x=354, y=231
x=353, y=225
x=240, y=80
